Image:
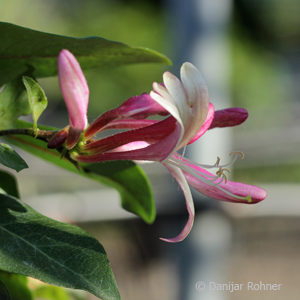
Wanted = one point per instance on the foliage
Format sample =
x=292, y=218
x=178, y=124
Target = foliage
x=32, y=244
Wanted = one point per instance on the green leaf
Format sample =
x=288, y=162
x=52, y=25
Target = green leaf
x=13, y=103
x=51, y=251
x=10, y=158
x=8, y=184
x=132, y=183
x=4, y=293
x=50, y=292
x=23, y=50
x=16, y=287
x=36, y=98
x=125, y=176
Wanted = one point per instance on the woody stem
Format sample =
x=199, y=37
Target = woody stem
x=44, y=135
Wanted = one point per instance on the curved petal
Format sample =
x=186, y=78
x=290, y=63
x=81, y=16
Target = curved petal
x=73, y=137
x=194, y=84
x=150, y=134
x=140, y=107
x=158, y=151
x=197, y=105
x=206, y=125
x=58, y=139
x=131, y=146
x=207, y=184
x=137, y=107
x=178, y=175
x=129, y=124
x=163, y=98
x=176, y=90
x=187, y=101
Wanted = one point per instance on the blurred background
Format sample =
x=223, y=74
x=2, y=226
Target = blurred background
x=249, y=53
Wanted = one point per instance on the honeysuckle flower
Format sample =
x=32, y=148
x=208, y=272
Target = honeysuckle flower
x=186, y=101
x=189, y=114
x=75, y=92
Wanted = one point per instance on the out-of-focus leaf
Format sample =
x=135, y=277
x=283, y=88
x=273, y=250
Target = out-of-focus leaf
x=131, y=182
x=125, y=176
x=4, y=293
x=15, y=286
x=10, y=158
x=23, y=49
x=8, y=184
x=36, y=98
x=50, y=292
x=13, y=103
x=54, y=252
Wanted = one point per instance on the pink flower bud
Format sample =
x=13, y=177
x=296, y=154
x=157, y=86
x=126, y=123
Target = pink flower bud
x=229, y=117
x=74, y=89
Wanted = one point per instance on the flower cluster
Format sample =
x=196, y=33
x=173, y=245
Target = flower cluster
x=187, y=113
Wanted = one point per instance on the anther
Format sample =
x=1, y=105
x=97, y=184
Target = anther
x=220, y=173
x=240, y=153
x=218, y=161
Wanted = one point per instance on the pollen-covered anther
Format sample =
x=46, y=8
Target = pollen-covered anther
x=220, y=173
x=238, y=153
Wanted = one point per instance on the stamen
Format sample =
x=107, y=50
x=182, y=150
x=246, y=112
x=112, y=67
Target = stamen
x=183, y=152
x=207, y=178
x=235, y=154
x=212, y=180
x=220, y=173
x=240, y=153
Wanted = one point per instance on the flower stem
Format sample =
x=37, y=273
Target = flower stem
x=43, y=135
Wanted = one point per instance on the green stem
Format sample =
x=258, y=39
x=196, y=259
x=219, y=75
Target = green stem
x=43, y=135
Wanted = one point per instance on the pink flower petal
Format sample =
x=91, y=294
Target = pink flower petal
x=74, y=89
x=129, y=124
x=150, y=134
x=178, y=175
x=231, y=191
x=158, y=151
x=206, y=125
x=131, y=146
x=229, y=117
x=138, y=107
x=58, y=139
x=73, y=137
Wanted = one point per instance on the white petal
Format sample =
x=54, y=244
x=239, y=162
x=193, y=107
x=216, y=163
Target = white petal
x=179, y=176
x=162, y=91
x=194, y=83
x=176, y=90
x=165, y=102
x=198, y=100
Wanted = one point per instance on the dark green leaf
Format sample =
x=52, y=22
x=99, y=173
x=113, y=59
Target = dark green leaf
x=16, y=287
x=36, y=98
x=4, y=293
x=9, y=184
x=10, y=158
x=13, y=103
x=125, y=176
x=23, y=50
x=51, y=251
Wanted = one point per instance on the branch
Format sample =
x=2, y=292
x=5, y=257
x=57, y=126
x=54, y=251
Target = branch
x=43, y=135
